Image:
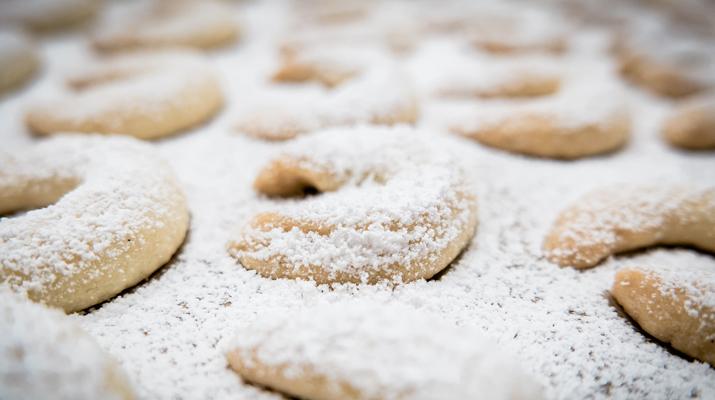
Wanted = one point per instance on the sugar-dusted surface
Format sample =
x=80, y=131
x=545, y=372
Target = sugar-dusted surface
x=694, y=275
x=44, y=354
x=396, y=201
x=371, y=347
x=167, y=333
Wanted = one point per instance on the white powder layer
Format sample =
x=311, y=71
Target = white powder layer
x=565, y=331
x=46, y=355
x=610, y=214
x=114, y=190
x=353, y=102
x=694, y=277
x=384, y=351
x=140, y=85
x=399, y=200
x=161, y=23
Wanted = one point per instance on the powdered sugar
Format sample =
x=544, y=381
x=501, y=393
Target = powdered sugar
x=352, y=103
x=167, y=332
x=384, y=351
x=400, y=201
x=106, y=205
x=142, y=85
x=44, y=354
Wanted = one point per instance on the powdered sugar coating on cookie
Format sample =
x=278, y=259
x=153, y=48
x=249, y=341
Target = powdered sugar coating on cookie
x=398, y=205
x=118, y=216
x=616, y=219
x=370, y=350
x=45, y=354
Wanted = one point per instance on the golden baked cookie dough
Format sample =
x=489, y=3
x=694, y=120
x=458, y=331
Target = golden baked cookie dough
x=391, y=208
x=18, y=60
x=616, y=219
x=692, y=124
x=47, y=15
x=46, y=355
x=145, y=95
x=676, y=306
x=112, y=214
x=172, y=23
x=364, y=350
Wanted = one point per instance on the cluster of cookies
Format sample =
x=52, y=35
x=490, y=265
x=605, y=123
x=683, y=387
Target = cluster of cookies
x=366, y=198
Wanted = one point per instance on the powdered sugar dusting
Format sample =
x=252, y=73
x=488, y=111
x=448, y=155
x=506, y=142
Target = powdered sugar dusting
x=167, y=332
x=44, y=354
x=401, y=202
x=144, y=85
x=105, y=207
x=352, y=103
x=372, y=348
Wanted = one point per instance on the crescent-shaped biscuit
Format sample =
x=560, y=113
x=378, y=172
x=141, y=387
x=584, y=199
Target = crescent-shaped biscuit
x=46, y=355
x=692, y=125
x=392, y=208
x=47, y=15
x=504, y=29
x=364, y=350
x=18, y=60
x=665, y=63
x=675, y=305
x=351, y=102
x=578, y=121
x=171, y=23
x=113, y=214
x=615, y=219
x=482, y=77
x=144, y=95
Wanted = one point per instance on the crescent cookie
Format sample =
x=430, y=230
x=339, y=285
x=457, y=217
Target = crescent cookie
x=392, y=208
x=47, y=15
x=573, y=123
x=171, y=23
x=46, y=355
x=144, y=95
x=112, y=214
x=692, y=125
x=353, y=102
x=18, y=60
x=364, y=350
x=675, y=305
x=507, y=30
x=615, y=219
x=666, y=64
x=515, y=77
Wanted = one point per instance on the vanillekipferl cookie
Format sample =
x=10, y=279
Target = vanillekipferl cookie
x=170, y=23
x=145, y=95
x=691, y=125
x=353, y=77
x=47, y=15
x=581, y=119
x=499, y=29
x=365, y=350
x=675, y=304
x=489, y=78
x=392, y=208
x=18, y=59
x=620, y=218
x=112, y=213
x=665, y=62
x=46, y=355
